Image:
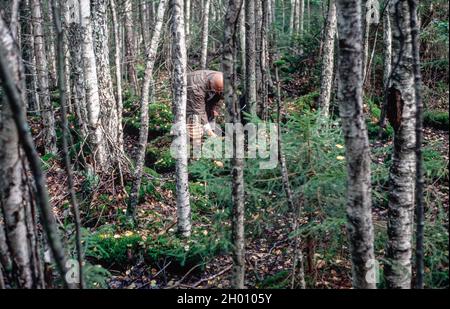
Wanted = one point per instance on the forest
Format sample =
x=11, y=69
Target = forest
x=224, y=144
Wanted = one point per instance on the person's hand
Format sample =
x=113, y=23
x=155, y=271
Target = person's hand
x=211, y=133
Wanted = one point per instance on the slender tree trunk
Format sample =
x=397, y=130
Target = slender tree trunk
x=118, y=73
x=179, y=104
x=27, y=47
x=242, y=48
x=359, y=204
x=387, y=67
x=49, y=42
x=296, y=18
x=366, y=33
x=187, y=21
x=230, y=89
x=264, y=60
x=48, y=118
x=14, y=22
x=205, y=34
x=292, y=18
x=108, y=106
x=143, y=132
x=296, y=209
x=401, y=112
x=250, y=47
x=97, y=138
x=301, y=15
x=328, y=61
x=65, y=135
x=258, y=54
x=130, y=52
x=144, y=24
x=14, y=195
x=15, y=99
x=75, y=40
x=415, y=36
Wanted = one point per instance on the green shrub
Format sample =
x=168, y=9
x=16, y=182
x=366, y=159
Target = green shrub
x=112, y=247
x=436, y=119
x=158, y=154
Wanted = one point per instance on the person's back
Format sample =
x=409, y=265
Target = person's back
x=204, y=92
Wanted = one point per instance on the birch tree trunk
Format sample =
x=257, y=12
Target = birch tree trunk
x=57, y=19
x=366, y=32
x=387, y=67
x=301, y=16
x=129, y=45
x=14, y=195
x=296, y=18
x=420, y=181
x=179, y=90
x=205, y=34
x=258, y=54
x=48, y=118
x=291, y=19
x=328, y=61
x=250, y=47
x=143, y=131
x=230, y=89
x=401, y=112
x=108, y=107
x=17, y=200
x=75, y=41
x=27, y=47
x=242, y=48
x=187, y=21
x=359, y=214
x=118, y=73
x=49, y=42
x=97, y=138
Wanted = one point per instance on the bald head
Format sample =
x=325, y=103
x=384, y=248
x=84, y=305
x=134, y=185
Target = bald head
x=216, y=83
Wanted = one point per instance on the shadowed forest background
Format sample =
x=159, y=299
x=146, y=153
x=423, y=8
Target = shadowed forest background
x=89, y=93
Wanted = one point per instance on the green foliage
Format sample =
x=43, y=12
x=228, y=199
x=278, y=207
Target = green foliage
x=160, y=119
x=280, y=280
x=436, y=248
x=47, y=160
x=95, y=276
x=436, y=119
x=315, y=156
x=111, y=246
x=307, y=102
x=435, y=165
x=150, y=183
x=158, y=154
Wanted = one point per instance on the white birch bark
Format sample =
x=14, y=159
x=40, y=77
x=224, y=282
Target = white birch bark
x=250, y=47
x=205, y=34
x=42, y=68
x=328, y=61
x=145, y=94
x=187, y=20
x=242, y=48
x=108, y=107
x=130, y=52
x=179, y=90
x=97, y=138
x=78, y=93
x=401, y=112
x=118, y=73
x=359, y=203
x=230, y=93
x=14, y=195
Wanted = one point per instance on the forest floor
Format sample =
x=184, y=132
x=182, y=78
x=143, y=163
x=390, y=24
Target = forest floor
x=268, y=258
